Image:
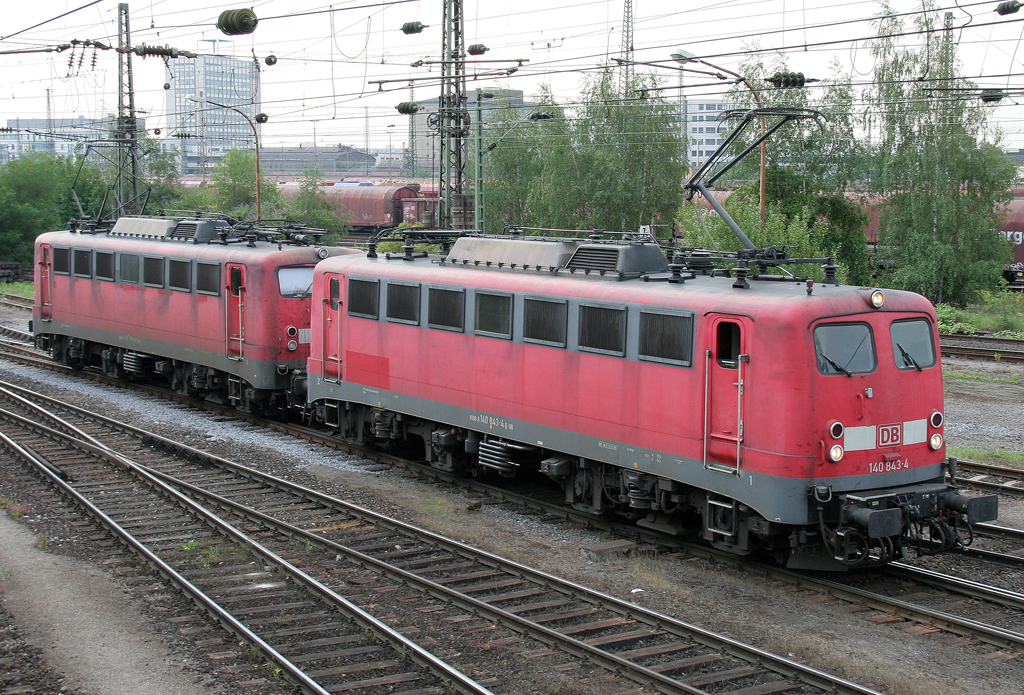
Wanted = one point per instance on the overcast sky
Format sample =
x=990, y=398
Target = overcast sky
x=328, y=54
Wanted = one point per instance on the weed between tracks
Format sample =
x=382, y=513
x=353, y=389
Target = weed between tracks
x=1011, y=459
x=1012, y=379
x=16, y=510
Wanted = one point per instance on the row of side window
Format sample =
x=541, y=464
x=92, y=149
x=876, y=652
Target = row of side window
x=664, y=335
x=179, y=274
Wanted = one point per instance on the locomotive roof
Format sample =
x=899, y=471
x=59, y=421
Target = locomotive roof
x=236, y=251
x=703, y=293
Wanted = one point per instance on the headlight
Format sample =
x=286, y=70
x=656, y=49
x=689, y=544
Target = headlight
x=935, y=441
x=835, y=453
x=877, y=299
x=936, y=419
x=292, y=345
x=836, y=430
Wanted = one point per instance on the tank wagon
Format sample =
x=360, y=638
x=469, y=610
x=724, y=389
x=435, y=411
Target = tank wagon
x=220, y=312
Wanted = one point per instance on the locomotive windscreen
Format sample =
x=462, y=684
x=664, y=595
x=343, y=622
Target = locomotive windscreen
x=295, y=281
x=845, y=348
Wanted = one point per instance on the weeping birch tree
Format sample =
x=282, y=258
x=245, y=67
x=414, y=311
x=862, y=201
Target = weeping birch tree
x=942, y=184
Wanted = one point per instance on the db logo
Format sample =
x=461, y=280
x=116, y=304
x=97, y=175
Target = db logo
x=890, y=435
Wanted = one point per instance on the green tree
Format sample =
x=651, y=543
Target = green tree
x=943, y=186
x=35, y=197
x=234, y=179
x=312, y=207
x=609, y=163
x=160, y=172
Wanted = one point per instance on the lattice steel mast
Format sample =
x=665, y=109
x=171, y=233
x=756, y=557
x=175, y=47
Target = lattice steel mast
x=626, y=51
x=453, y=119
x=126, y=134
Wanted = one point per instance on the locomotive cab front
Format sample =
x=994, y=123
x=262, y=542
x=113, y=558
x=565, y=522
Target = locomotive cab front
x=878, y=487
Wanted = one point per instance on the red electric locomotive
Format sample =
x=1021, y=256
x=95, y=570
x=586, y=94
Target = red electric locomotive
x=218, y=313
x=767, y=412
x=806, y=420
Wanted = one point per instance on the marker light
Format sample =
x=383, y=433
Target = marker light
x=877, y=299
x=836, y=430
x=292, y=345
x=935, y=441
x=936, y=419
x=835, y=453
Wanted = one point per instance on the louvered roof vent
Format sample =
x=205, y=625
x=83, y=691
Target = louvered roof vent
x=620, y=259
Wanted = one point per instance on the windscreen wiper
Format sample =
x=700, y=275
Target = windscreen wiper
x=907, y=359
x=835, y=365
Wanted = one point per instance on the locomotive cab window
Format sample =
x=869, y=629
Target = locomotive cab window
x=493, y=315
x=666, y=338
x=603, y=329
x=845, y=348
x=296, y=281
x=129, y=268
x=364, y=298
x=544, y=321
x=403, y=303
x=446, y=308
x=208, y=278
x=83, y=263
x=727, y=344
x=105, y=265
x=179, y=275
x=62, y=261
x=152, y=271
x=235, y=281
x=912, y=344
x=335, y=294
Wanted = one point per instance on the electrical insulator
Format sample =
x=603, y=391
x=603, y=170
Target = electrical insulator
x=167, y=85
x=413, y=27
x=156, y=131
x=407, y=108
x=788, y=80
x=1008, y=7
x=270, y=60
x=477, y=49
x=261, y=118
x=992, y=96
x=234, y=22
x=145, y=50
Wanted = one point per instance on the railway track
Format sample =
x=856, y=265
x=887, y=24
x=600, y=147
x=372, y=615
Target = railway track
x=541, y=618
x=17, y=301
x=924, y=614
x=980, y=347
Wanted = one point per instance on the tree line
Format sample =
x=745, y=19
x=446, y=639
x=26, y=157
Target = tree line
x=36, y=195
x=914, y=144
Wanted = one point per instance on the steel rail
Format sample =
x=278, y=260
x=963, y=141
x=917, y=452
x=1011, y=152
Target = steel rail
x=990, y=634
x=230, y=623
x=1004, y=597
x=983, y=353
x=422, y=657
x=775, y=663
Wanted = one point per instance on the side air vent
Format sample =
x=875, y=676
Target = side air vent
x=594, y=258
x=185, y=230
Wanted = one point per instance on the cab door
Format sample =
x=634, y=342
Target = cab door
x=235, y=315
x=45, y=282
x=724, y=384
x=331, y=329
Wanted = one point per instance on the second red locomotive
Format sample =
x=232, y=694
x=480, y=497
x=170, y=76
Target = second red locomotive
x=804, y=420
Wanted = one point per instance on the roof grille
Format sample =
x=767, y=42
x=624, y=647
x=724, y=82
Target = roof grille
x=185, y=230
x=594, y=258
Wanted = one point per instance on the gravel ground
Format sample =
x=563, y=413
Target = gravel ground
x=820, y=631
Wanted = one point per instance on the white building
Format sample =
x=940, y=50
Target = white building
x=704, y=132
x=60, y=136
x=199, y=91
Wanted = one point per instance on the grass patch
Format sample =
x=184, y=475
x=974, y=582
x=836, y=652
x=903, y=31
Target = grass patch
x=1012, y=459
x=1012, y=379
x=1000, y=312
x=22, y=289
